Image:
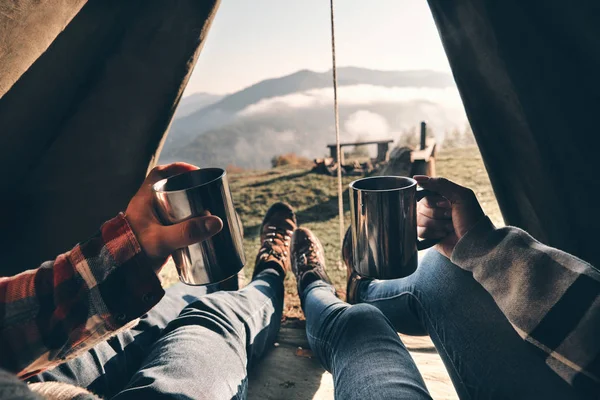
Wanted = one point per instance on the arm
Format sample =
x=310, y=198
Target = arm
x=66, y=306
x=544, y=292
x=53, y=313
x=551, y=298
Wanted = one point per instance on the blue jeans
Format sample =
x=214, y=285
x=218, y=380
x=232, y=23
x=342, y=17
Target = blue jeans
x=204, y=350
x=192, y=345
x=485, y=357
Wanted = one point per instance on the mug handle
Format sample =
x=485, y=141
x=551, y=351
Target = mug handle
x=426, y=243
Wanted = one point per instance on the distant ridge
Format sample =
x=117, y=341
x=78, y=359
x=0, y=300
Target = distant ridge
x=306, y=79
x=218, y=133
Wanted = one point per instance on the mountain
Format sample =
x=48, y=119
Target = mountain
x=195, y=102
x=294, y=113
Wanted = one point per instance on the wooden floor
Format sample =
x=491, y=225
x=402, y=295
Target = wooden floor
x=290, y=371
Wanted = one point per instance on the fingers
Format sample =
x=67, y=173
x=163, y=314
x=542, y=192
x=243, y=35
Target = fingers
x=430, y=228
x=450, y=190
x=434, y=217
x=466, y=210
x=436, y=213
x=434, y=202
x=185, y=233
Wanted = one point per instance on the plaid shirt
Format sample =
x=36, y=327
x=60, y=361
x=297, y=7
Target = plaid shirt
x=551, y=298
x=66, y=306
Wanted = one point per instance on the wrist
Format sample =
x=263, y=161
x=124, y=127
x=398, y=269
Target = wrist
x=470, y=241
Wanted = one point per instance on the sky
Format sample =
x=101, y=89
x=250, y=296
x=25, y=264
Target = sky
x=252, y=40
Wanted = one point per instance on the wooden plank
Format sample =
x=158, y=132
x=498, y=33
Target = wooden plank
x=424, y=154
x=423, y=135
x=388, y=141
x=382, y=152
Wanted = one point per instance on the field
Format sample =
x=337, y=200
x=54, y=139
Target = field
x=315, y=200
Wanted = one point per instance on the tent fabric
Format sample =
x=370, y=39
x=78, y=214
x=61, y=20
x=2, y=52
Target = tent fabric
x=527, y=72
x=88, y=89
x=88, y=92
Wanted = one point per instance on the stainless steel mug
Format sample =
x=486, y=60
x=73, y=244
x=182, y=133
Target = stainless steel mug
x=188, y=195
x=384, y=226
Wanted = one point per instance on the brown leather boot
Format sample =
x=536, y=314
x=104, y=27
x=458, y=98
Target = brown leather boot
x=275, y=235
x=308, y=259
x=353, y=277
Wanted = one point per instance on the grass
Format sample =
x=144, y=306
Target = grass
x=314, y=197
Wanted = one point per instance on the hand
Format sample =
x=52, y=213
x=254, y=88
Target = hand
x=449, y=216
x=159, y=241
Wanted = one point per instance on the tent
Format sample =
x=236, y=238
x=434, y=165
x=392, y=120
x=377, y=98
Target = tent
x=88, y=89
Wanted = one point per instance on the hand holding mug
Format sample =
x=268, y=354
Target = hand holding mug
x=157, y=240
x=448, y=216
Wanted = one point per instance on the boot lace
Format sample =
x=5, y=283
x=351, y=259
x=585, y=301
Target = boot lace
x=309, y=254
x=276, y=243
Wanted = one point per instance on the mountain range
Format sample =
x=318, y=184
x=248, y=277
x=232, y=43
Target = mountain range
x=294, y=113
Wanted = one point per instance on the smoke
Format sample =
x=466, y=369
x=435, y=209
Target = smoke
x=366, y=125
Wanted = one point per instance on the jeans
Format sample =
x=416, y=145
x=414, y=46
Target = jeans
x=360, y=347
x=485, y=357
x=190, y=346
x=204, y=351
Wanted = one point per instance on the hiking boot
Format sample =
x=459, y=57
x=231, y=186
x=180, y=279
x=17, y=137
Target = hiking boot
x=308, y=259
x=353, y=278
x=275, y=235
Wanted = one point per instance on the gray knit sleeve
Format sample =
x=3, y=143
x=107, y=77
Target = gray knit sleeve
x=551, y=298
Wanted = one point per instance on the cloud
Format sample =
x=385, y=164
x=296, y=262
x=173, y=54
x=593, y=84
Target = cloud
x=357, y=95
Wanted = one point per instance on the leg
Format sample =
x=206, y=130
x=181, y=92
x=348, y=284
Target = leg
x=206, y=350
x=360, y=347
x=484, y=355
x=204, y=353
x=106, y=368
x=358, y=344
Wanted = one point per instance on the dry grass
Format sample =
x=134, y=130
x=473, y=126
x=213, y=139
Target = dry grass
x=315, y=199
x=291, y=160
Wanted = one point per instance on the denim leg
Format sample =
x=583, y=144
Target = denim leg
x=204, y=353
x=107, y=367
x=360, y=347
x=483, y=354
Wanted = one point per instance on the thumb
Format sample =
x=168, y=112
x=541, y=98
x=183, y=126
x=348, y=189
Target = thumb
x=189, y=232
x=448, y=189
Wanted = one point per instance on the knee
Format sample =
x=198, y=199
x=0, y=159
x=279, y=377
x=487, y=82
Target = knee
x=362, y=318
x=209, y=312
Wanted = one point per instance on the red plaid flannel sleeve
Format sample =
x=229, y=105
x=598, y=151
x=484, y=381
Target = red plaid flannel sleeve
x=64, y=307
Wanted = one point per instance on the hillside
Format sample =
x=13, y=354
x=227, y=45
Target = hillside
x=315, y=199
x=294, y=114
x=190, y=104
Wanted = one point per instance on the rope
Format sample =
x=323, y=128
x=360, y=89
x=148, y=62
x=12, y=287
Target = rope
x=337, y=135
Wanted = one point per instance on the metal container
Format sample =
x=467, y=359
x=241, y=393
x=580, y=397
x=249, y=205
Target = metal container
x=384, y=226
x=189, y=195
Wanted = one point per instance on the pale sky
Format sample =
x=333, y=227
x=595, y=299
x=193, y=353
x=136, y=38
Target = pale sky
x=252, y=40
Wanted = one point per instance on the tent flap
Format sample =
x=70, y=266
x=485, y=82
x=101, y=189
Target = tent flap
x=527, y=74
x=84, y=123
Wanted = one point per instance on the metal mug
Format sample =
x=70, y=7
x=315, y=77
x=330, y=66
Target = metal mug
x=384, y=226
x=189, y=195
